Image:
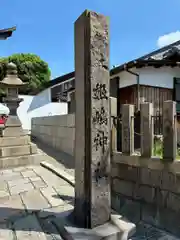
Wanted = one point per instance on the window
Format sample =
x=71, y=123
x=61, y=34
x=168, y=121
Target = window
x=66, y=86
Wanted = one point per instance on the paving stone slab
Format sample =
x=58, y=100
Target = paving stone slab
x=6, y=233
x=50, y=230
x=59, y=172
x=20, y=188
x=6, y=171
x=10, y=176
x=49, y=178
x=11, y=208
x=29, y=173
x=66, y=193
x=20, y=169
x=55, y=212
x=51, y=195
x=39, y=184
x=34, y=201
x=28, y=228
x=35, y=179
x=4, y=192
x=16, y=182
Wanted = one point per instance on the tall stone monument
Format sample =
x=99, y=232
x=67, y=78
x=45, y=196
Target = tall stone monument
x=92, y=139
x=92, y=211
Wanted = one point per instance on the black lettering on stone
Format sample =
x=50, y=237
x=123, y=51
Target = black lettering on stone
x=100, y=140
x=100, y=117
x=100, y=92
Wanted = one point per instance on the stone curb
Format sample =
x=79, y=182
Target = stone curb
x=59, y=172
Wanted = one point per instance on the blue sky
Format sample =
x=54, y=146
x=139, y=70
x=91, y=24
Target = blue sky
x=46, y=28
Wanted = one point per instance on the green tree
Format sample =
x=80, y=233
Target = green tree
x=31, y=68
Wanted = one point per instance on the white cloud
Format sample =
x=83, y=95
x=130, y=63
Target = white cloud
x=168, y=39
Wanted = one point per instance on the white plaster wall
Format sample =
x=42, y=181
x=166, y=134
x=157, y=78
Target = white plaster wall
x=22, y=111
x=38, y=106
x=157, y=77
x=127, y=79
x=40, y=99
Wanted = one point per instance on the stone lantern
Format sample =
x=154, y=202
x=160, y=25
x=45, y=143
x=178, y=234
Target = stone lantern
x=11, y=83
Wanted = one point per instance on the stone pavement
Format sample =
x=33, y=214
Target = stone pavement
x=30, y=197
x=54, y=161
x=143, y=231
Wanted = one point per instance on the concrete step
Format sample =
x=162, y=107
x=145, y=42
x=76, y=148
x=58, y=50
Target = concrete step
x=18, y=150
x=14, y=141
x=13, y=132
x=11, y=162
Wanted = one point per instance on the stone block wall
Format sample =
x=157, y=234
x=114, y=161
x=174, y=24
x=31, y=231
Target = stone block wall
x=147, y=190
x=56, y=131
x=59, y=131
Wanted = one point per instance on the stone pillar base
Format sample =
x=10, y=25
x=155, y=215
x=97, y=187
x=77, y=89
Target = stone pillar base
x=116, y=229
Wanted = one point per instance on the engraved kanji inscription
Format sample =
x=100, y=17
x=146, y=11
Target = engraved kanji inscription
x=100, y=140
x=100, y=92
x=100, y=117
x=100, y=171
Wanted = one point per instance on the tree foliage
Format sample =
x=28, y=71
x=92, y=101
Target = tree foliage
x=31, y=69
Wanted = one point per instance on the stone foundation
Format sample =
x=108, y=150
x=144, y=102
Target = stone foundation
x=148, y=190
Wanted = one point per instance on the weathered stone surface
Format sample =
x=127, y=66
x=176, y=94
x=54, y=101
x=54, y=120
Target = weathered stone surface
x=13, y=132
x=50, y=230
x=14, y=141
x=51, y=195
x=168, y=180
x=20, y=188
x=29, y=228
x=33, y=148
x=160, y=198
x=39, y=184
x=11, y=208
x=169, y=131
x=19, y=169
x=65, y=190
x=34, y=201
x=29, y=173
x=4, y=193
x=14, y=151
x=145, y=231
x=106, y=231
x=3, y=189
x=115, y=201
x=123, y=187
x=169, y=220
x=49, y=178
x=147, y=129
x=125, y=172
x=149, y=214
x=144, y=192
x=150, y=177
x=131, y=210
x=10, y=176
x=55, y=211
x=6, y=233
x=92, y=119
x=9, y=162
x=16, y=182
x=173, y=201
x=127, y=129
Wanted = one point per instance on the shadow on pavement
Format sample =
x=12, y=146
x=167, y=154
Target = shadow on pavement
x=60, y=157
